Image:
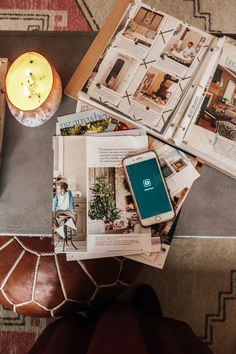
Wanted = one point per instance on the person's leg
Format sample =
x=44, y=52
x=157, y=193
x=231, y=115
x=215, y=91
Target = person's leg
x=118, y=332
x=173, y=337
x=67, y=335
x=68, y=213
x=164, y=335
x=60, y=217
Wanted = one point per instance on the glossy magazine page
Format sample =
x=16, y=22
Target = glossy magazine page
x=212, y=132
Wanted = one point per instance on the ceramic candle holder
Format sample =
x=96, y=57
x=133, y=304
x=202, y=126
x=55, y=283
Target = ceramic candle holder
x=33, y=89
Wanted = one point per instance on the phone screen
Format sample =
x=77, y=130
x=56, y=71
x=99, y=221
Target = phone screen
x=148, y=187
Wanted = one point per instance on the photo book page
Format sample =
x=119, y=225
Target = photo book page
x=166, y=76
x=147, y=67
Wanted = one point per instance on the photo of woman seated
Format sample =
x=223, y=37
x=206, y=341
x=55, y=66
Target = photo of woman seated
x=63, y=204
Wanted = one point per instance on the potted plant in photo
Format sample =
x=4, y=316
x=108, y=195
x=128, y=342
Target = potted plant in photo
x=102, y=204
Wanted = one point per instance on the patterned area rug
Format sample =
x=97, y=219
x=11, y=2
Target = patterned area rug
x=193, y=286
x=85, y=15
x=198, y=286
x=18, y=332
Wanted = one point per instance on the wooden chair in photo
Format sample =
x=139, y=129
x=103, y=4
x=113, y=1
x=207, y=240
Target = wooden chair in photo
x=68, y=231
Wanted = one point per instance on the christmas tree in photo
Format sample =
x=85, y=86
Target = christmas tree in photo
x=102, y=205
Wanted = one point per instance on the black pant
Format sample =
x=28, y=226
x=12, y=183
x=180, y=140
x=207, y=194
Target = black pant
x=120, y=329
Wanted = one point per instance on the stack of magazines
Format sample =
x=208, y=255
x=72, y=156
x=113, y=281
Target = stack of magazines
x=94, y=214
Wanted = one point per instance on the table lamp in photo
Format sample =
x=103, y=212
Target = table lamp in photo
x=33, y=89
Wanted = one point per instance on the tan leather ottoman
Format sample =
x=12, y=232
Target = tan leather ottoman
x=35, y=281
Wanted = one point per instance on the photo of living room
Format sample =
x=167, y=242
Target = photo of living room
x=184, y=46
x=155, y=89
x=218, y=111
x=111, y=208
x=143, y=28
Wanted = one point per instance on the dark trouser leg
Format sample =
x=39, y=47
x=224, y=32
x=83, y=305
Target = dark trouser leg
x=122, y=329
x=118, y=332
x=69, y=335
x=168, y=336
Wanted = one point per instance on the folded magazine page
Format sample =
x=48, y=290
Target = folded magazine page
x=147, y=67
x=90, y=200
x=211, y=131
x=82, y=254
x=89, y=121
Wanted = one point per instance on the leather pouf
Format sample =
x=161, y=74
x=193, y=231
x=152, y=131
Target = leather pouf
x=37, y=282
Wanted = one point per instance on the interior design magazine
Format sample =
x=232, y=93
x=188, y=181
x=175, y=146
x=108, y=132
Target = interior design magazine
x=179, y=172
x=92, y=211
x=164, y=75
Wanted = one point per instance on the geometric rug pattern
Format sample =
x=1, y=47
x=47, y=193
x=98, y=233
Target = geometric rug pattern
x=84, y=15
x=198, y=286
x=19, y=332
x=205, y=282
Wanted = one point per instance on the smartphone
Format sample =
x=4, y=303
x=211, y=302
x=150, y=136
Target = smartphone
x=148, y=188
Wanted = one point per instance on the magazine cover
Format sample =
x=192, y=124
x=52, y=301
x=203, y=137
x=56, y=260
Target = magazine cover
x=91, y=211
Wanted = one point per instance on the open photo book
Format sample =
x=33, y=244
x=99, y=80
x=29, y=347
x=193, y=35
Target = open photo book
x=166, y=76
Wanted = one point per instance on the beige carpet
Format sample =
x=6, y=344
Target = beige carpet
x=213, y=16
x=198, y=286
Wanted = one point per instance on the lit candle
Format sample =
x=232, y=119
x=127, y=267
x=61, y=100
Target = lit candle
x=33, y=89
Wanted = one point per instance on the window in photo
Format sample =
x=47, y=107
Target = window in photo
x=111, y=78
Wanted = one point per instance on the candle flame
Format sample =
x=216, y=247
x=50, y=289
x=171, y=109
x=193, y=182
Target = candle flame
x=27, y=72
x=26, y=91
